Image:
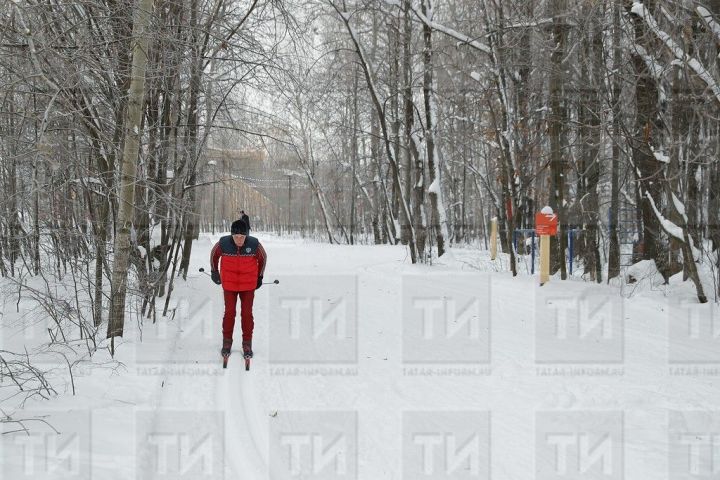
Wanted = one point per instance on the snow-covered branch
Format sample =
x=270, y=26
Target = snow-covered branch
x=461, y=37
x=642, y=12
x=709, y=21
x=669, y=227
x=654, y=67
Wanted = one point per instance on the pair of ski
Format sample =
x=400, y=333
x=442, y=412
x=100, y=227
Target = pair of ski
x=246, y=356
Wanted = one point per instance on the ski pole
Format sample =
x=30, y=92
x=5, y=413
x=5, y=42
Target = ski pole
x=274, y=282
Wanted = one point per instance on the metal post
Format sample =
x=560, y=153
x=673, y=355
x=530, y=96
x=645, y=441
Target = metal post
x=213, y=164
x=213, y=203
x=289, y=201
x=532, y=258
x=571, y=241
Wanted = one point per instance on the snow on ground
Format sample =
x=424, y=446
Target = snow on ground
x=368, y=367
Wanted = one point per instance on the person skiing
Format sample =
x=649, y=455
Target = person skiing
x=244, y=217
x=240, y=274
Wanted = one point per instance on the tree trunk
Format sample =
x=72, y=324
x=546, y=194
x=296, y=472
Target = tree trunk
x=377, y=104
x=437, y=219
x=141, y=40
x=558, y=118
x=414, y=168
x=647, y=131
x=592, y=136
x=191, y=142
x=614, y=249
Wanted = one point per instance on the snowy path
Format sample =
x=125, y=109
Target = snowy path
x=511, y=390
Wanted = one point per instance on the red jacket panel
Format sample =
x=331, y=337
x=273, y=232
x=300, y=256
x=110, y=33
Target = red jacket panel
x=240, y=267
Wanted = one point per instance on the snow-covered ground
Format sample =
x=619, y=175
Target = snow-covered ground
x=367, y=367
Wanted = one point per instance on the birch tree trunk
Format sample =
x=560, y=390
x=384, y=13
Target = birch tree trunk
x=191, y=141
x=437, y=217
x=143, y=11
x=415, y=184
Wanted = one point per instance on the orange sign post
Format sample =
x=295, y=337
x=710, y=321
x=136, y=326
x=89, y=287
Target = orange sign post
x=546, y=224
x=493, y=238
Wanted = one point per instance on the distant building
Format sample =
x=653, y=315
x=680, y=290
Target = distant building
x=238, y=174
x=244, y=163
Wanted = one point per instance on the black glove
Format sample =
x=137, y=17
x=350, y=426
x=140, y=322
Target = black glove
x=259, y=282
x=215, y=275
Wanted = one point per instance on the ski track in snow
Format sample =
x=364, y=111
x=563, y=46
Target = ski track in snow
x=236, y=393
x=174, y=395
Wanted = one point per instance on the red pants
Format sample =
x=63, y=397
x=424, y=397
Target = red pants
x=246, y=316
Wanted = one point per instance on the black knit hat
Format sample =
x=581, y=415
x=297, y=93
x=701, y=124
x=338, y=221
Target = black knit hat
x=239, y=227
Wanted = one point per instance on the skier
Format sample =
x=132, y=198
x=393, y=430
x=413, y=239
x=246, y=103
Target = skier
x=241, y=273
x=245, y=218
